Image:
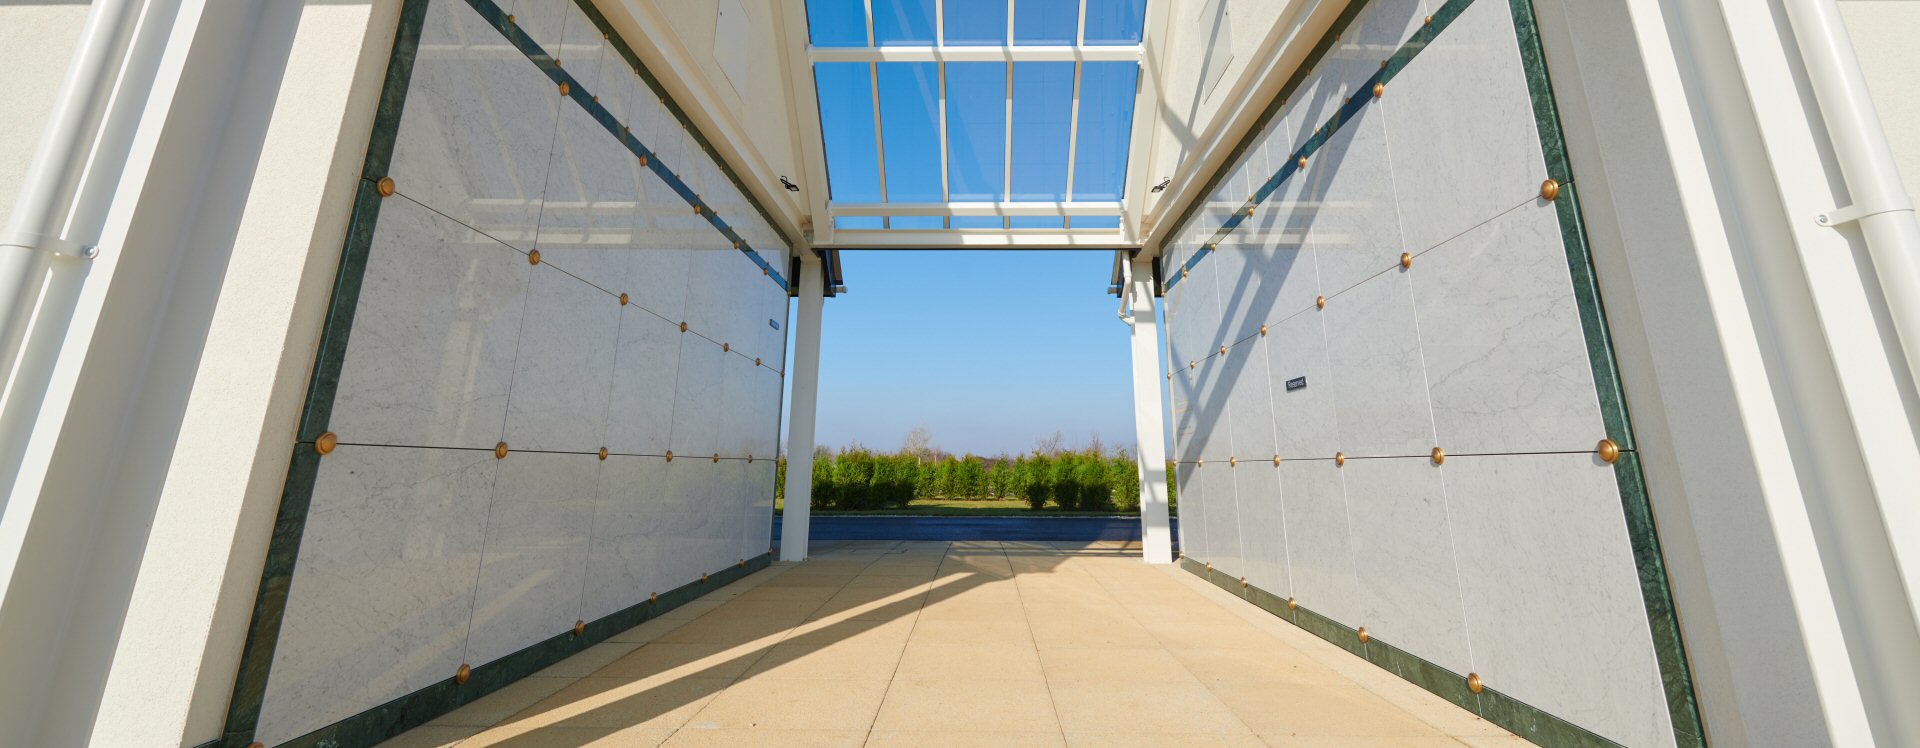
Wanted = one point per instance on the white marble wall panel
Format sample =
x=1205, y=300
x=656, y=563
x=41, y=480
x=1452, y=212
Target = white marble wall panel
x=1223, y=518
x=383, y=585
x=1303, y=419
x=1192, y=509
x=593, y=187
x=740, y=407
x=686, y=521
x=657, y=277
x=1284, y=279
x=1506, y=357
x=697, y=404
x=1407, y=579
x=475, y=134
x=1551, y=589
x=534, y=559
x=1263, y=532
x=431, y=356
x=1355, y=230
x=625, y=559
x=645, y=377
x=1373, y=352
x=1466, y=90
x=757, y=538
x=1319, y=548
x=1186, y=418
x=564, y=371
x=1213, y=440
x=730, y=499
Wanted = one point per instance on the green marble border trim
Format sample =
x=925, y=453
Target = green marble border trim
x=1642, y=531
x=283, y=549
x=1534, y=724
x=388, y=720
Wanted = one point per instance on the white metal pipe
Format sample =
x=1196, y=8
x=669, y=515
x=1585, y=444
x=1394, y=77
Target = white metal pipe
x=1126, y=286
x=1881, y=204
x=1013, y=208
x=796, y=515
x=978, y=239
x=38, y=228
x=936, y=53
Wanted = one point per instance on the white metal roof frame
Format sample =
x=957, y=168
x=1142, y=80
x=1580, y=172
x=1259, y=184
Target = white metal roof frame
x=826, y=211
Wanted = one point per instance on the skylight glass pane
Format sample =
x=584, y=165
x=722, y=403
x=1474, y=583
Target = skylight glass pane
x=976, y=129
x=1042, y=107
x=837, y=23
x=1115, y=21
x=976, y=22
x=902, y=22
x=1038, y=222
x=1045, y=21
x=917, y=222
x=910, y=128
x=977, y=222
x=846, y=127
x=1106, y=119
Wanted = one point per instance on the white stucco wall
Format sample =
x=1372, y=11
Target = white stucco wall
x=39, y=39
x=1882, y=32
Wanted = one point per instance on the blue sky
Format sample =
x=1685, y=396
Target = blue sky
x=987, y=349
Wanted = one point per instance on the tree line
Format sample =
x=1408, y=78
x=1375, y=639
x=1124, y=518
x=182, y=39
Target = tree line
x=1089, y=479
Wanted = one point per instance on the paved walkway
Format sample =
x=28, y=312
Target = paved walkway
x=963, y=644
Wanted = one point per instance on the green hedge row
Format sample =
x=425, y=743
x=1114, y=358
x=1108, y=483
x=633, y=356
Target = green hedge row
x=1087, y=481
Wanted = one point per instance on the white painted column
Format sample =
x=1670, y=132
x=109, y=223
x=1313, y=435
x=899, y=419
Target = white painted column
x=1156, y=537
x=806, y=395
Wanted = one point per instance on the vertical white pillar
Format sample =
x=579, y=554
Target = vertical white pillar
x=806, y=394
x=1156, y=537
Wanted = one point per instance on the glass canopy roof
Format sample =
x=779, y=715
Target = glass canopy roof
x=976, y=114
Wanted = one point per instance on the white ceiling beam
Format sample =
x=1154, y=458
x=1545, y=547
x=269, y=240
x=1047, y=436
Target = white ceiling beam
x=939, y=53
x=804, y=117
x=940, y=39
x=1006, y=132
x=979, y=239
x=1073, y=118
x=1135, y=197
x=1007, y=209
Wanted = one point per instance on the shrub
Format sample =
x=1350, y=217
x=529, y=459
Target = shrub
x=1124, y=476
x=823, y=494
x=1096, y=492
x=1036, y=480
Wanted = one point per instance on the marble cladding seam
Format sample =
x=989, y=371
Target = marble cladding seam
x=1495, y=348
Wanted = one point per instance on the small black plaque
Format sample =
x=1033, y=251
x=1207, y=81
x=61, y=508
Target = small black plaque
x=773, y=324
x=1296, y=383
